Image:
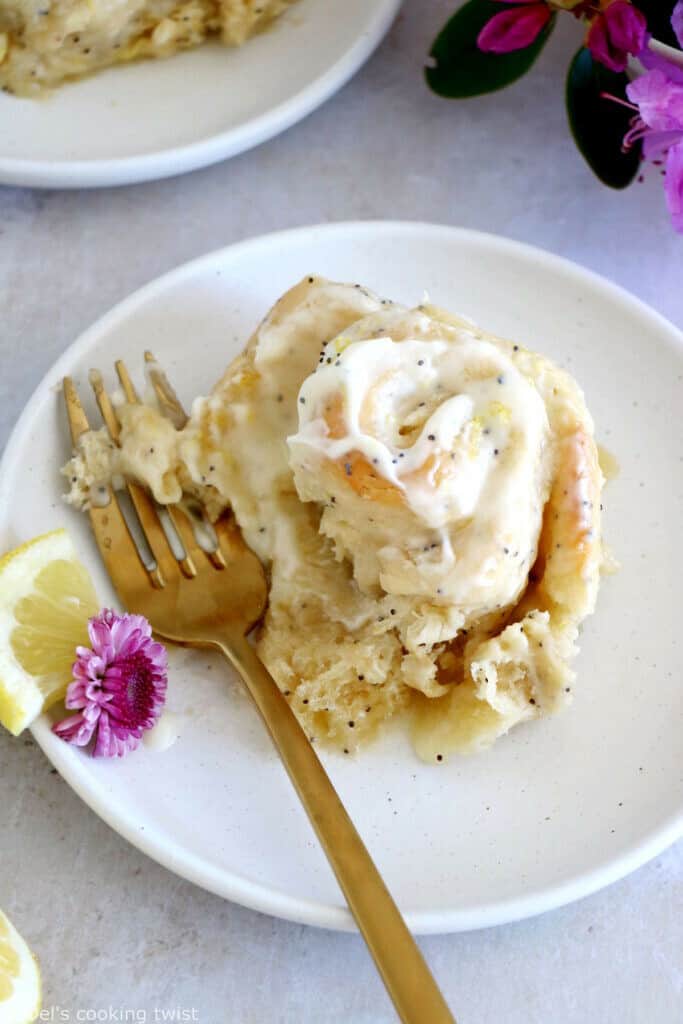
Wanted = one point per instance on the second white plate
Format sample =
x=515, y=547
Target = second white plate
x=558, y=808
x=157, y=118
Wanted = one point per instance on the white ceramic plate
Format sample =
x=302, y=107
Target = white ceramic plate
x=157, y=118
x=557, y=809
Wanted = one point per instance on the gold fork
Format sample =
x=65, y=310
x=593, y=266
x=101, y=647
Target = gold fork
x=215, y=598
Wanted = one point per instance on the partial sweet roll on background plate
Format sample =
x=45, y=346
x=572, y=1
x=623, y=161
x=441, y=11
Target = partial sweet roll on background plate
x=44, y=43
x=425, y=495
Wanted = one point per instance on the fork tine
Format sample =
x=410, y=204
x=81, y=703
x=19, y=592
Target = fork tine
x=193, y=520
x=145, y=507
x=169, y=402
x=229, y=536
x=142, y=503
x=172, y=408
x=216, y=556
x=78, y=421
x=104, y=402
x=184, y=530
x=126, y=381
x=108, y=524
x=217, y=559
x=154, y=533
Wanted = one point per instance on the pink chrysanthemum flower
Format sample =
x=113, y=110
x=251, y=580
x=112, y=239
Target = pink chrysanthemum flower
x=119, y=685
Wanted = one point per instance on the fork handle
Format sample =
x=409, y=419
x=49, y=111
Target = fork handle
x=406, y=976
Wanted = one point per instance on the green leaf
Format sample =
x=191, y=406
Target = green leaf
x=461, y=69
x=599, y=124
x=658, y=14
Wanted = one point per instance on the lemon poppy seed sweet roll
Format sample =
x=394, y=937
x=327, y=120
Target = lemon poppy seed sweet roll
x=44, y=43
x=425, y=497
x=430, y=453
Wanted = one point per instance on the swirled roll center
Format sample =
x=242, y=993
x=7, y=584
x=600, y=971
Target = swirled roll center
x=437, y=449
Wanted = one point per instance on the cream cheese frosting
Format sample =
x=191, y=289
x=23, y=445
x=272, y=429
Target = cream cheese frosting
x=457, y=432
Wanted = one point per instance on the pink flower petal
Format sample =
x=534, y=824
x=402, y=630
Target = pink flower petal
x=513, y=29
x=113, y=742
x=96, y=695
x=76, y=729
x=104, y=745
x=656, y=144
x=127, y=644
x=76, y=694
x=677, y=22
x=651, y=60
x=130, y=628
x=89, y=666
x=660, y=101
x=617, y=31
x=673, y=184
x=99, y=632
x=159, y=653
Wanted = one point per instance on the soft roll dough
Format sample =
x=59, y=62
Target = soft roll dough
x=426, y=497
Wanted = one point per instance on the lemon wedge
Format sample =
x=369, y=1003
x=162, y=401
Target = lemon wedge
x=46, y=599
x=20, y=998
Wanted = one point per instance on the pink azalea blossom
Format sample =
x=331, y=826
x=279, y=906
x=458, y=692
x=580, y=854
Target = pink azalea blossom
x=659, y=101
x=659, y=123
x=673, y=184
x=514, y=28
x=617, y=31
x=119, y=685
x=677, y=22
x=656, y=61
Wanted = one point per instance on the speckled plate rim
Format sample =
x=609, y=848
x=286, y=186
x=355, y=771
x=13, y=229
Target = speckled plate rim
x=167, y=163
x=239, y=888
